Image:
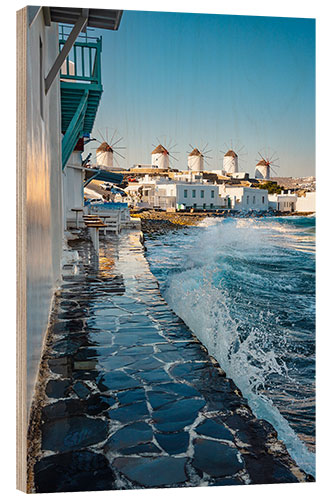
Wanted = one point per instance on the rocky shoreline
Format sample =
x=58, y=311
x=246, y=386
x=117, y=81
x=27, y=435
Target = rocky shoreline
x=153, y=221
x=131, y=399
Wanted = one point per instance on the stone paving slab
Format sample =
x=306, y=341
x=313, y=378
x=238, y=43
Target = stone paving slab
x=133, y=399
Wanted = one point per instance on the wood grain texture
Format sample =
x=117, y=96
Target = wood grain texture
x=21, y=244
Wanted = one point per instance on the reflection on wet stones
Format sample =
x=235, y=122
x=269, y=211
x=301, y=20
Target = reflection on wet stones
x=58, y=388
x=131, y=396
x=116, y=381
x=73, y=433
x=129, y=436
x=177, y=415
x=73, y=471
x=173, y=443
x=61, y=366
x=151, y=472
x=216, y=459
x=214, y=429
x=130, y=413
x=81, y=389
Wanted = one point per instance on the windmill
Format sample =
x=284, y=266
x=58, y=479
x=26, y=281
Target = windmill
x=160, y=156
x=107, y=149
x=196, y=158
x=265, y=165
x=231, y=158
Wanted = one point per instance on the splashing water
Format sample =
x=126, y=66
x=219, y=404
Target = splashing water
x=246, y=288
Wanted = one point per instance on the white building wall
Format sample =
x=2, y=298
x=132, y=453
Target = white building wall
x=282, y=202
x=246, y=198
x=306, y=203
x=73, y=195
x=39, y=178
x=204, y=196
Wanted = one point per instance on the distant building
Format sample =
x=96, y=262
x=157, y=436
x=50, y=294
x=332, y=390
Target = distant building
x=245, y=198
x=180, y=195
x=240, y=175
x=306, y=203
x=282, y=202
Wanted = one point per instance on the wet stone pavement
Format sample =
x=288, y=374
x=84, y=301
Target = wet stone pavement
x=133, y=400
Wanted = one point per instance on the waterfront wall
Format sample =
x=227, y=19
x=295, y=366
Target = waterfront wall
x=306, y=203
x=39, y=181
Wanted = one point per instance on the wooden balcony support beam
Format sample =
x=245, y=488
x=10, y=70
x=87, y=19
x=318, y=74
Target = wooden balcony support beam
x=79, y=26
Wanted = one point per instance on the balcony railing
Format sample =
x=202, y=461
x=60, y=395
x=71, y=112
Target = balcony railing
x=83, y=63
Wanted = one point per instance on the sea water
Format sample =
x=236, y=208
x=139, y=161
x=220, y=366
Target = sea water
x=246, y=288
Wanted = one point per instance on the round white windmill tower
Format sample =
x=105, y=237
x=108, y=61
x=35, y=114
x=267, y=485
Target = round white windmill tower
x=262, y=170
x=160, y=157
x=195, y=161
x=264, y=167
x=104, y=156
x=230, y=162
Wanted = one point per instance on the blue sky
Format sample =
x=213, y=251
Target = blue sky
x=195, y=78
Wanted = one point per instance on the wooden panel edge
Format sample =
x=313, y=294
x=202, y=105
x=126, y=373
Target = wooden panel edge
x=21, y=324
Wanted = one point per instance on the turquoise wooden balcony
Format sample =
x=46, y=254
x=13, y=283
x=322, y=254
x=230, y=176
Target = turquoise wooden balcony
x=81, y=90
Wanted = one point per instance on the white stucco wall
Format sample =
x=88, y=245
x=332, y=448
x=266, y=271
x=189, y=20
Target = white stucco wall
x=41, y=171
x=306, y=203
x=245, y=198
x=184, y=194
x=72, y=181
x=282, y=202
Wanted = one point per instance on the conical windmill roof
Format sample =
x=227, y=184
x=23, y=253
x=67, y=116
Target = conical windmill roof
x=231, y=153
x=195, y=152
x=262, y=163
x=160, y=149
x=104, y=148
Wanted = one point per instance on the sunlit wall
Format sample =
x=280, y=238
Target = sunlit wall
x=43, y=189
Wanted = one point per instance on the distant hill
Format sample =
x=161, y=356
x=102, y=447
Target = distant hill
x=306, y=183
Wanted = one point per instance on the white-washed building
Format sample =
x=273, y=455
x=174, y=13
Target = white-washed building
x=188, y=176
x=139, y=192
x=181, y=195
x=245, y=198
x=284, y=202
x=306, y=203
x=50, y=122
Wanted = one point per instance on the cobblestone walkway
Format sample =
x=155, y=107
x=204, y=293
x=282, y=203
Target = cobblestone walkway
x=133, y=400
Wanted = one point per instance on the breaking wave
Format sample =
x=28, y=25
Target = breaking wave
x=245, y=287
